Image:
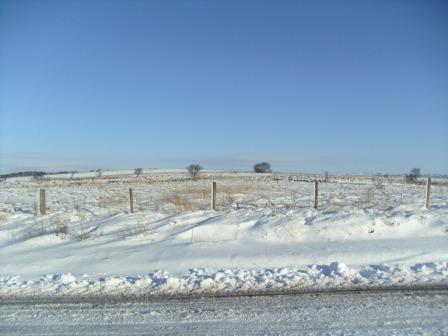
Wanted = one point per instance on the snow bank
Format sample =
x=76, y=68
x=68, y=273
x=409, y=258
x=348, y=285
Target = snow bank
x=260, y=241
x=231, y=281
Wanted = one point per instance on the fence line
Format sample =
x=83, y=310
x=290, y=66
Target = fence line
x=213, y=195
x=131, y=201
x=428, y=192
x=281, y=192
x=42, y=202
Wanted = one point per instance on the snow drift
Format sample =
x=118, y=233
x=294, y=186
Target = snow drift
x=93, y=249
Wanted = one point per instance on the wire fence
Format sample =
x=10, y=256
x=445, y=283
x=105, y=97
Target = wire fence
x=180, y=194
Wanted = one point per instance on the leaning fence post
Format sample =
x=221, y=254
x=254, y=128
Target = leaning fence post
x=316, y=194
x=214, y=196
x=131, y=200
x=42, y=204
x=428, y=192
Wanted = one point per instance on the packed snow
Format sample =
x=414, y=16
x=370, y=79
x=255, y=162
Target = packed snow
x=403, y=312
x=336, y=276
x=264, y=236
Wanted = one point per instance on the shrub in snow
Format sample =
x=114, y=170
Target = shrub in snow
x=413, y=175
x=138, y=171
x=59, y=227
x=262, y=167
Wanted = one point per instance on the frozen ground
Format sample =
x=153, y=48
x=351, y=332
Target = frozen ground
x=264, y=236
x=369, y=313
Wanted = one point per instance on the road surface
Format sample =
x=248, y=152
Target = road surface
x=403, y=312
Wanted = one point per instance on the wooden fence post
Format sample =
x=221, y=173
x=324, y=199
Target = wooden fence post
x=214, y=196
x=316, y=194
x=131, y=200
x=428, y=192
x=42, y=203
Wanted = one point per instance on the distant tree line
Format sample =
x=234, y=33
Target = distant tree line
x=34, y=173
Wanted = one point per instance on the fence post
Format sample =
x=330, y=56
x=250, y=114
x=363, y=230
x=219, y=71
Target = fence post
x=131, y=200
x=42, y=204
x=316, y=194
x=428, y=192
x=214, y=196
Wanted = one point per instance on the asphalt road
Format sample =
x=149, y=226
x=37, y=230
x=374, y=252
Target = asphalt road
x=405, y=312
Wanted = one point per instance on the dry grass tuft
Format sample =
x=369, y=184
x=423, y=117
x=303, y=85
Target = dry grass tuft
x=112, y=199
x=3, y=217
x=59, y=227
x=180, y=203
x=137, y=229
x=202, y=191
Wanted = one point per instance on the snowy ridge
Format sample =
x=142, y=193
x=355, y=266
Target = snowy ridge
x=241, y=281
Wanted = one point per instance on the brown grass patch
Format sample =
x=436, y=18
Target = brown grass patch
x=3, y=217
x=254, y=190
x=112, y=199
x=196, y=191
x=205, y=192
x=180, y=203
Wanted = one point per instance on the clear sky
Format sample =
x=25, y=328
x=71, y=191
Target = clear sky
x=339, y=86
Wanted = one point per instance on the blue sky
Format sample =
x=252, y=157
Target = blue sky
x=339, y=86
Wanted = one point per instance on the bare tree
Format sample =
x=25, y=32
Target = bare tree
x=138, y=171
x=417, y=172
x=262, y=167
x=413, y=175
x=194, y=170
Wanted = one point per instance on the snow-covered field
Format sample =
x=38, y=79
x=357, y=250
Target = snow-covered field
x=264, y=236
